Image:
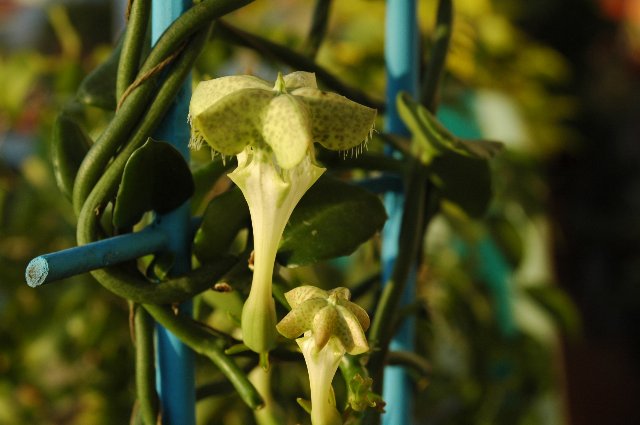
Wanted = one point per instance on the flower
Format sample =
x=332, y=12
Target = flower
x=332, y=326
x=326, y=314
x=231, y=113
x=272, y=130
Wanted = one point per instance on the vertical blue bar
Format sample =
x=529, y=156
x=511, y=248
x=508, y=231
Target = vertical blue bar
x=401, y=58
x=175, y=364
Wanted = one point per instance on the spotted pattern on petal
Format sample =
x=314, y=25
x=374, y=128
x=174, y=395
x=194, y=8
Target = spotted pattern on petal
x=299, y=79
x=324, y=325
x=298, y=295
x=234, y=121
x=286, y=129
x=341, y=293
x=328, y=315
x=300, y=319
x=359, y=313
x=209, y=92
x=338, y=123
x=350, y=333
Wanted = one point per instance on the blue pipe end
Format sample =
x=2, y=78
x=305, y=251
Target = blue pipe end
x=37, y=272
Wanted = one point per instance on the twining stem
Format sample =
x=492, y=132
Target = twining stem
x=145, y=367
x=438, y=54
x=136, y=103
x=203, y=342
x=294, y=60
x=119, y=280
x=408, y=246
x=318, y=29
x=133, y=45
x=220, y=386
x=410, y=360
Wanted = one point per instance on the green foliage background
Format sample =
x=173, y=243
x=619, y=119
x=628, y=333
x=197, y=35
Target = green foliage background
x=65, y=351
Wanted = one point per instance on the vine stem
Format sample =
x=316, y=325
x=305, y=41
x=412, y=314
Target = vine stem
x=119, y=280
x=409, y=244
x=145, y=369
x=295, y=60
x=202, y=342
x=435, y=70
x=318, y=29
x=133, y=44
x=136, y=103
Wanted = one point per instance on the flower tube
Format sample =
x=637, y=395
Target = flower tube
x=272, y=130
x=332, y=326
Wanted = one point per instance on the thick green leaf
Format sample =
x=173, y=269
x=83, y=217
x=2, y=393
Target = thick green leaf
x=99, y=87
x=463, y=181
x=157, y=178
x=332, y=219
x=225, y=215
x=433, y=139
x=459, y=169
x=69, y=145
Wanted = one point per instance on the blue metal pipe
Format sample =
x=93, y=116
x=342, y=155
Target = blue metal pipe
x=175, y=372
x=401, y=58
x=81, y=259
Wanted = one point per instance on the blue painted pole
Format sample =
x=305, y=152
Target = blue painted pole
x=81, y=259
x=175, y=374
x=401, y=58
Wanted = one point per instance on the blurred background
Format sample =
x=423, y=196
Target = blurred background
x=546, y=334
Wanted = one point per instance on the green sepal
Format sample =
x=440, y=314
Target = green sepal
x=331, y=220
x=69, y=145
x=155, y=178
x=225, y=215
x=99, y=87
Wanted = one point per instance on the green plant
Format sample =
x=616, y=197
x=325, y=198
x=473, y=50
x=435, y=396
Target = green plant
x=275, y=157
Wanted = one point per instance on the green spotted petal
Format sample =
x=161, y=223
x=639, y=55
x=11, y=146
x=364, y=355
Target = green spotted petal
x=233, y=122
x=299, y=79
x=359, y=313
x=350, y=333
x=300, y=320
x=298, y=295
x=208, y=92
x=324, y=324
x=338, y=123
x=287, y=130
x=341, y=293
